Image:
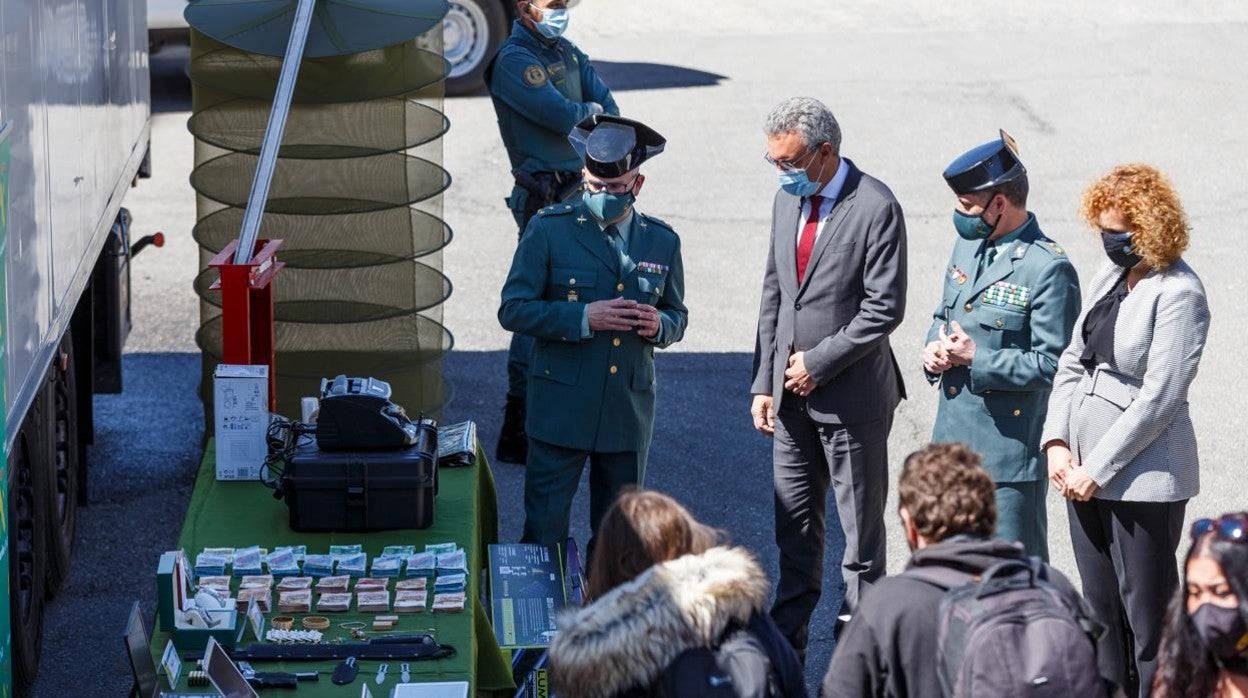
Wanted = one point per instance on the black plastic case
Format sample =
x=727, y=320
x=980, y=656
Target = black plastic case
x=360, y=490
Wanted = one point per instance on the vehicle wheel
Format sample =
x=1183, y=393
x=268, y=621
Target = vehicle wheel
x=66, y=467
x=27, y=520
x=472, y=31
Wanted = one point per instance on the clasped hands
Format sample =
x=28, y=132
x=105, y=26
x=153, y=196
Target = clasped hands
x=623, y=315
x=1067, y=476
x=949, y=350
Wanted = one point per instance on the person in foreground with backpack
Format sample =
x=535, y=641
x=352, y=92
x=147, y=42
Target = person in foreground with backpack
x=971, y=615
x=1204, y=648
x=674, y=613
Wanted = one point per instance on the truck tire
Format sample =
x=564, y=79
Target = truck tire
x=65, y=466
x=472, y=31
x=28, y=538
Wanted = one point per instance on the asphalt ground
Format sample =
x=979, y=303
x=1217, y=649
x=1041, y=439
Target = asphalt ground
x=1081, y=86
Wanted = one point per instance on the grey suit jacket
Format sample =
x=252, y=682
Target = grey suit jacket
x=1128, y=422
x=852, y=298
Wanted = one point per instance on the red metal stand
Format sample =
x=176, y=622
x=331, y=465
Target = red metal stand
x=247, y=335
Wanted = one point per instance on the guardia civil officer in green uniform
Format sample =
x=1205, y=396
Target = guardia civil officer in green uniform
x=600, y=286
x=541, y=85
x=1010, y=299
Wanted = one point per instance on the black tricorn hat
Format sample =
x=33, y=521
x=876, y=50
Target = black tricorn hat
x=611, y=146
x=985, y=166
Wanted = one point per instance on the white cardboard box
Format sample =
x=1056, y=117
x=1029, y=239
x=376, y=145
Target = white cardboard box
x=241, y=409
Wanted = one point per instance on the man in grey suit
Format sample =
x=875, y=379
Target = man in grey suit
x=825, y=378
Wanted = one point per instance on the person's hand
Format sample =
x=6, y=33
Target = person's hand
x=1079, y=484
x=764, y=418
x=647, y=320
x=617, y=314
x=799, y=381
x=958, y=345
x=935, y=358
x=1061, y=461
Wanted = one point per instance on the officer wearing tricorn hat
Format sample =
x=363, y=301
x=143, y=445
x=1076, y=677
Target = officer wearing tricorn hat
x=1010, y=298
x=600, y=286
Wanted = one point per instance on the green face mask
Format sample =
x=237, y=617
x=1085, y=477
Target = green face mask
x=974, y=227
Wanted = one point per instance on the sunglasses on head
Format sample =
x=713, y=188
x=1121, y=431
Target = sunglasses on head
x=1231, y=527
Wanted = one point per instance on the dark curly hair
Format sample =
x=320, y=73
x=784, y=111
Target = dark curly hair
x=947, y=492
x=1185, y=669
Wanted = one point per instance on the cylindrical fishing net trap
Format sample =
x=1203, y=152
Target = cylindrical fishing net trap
x=355, y=194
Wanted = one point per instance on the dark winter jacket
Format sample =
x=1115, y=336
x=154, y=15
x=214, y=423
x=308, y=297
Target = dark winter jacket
x=889, y=648
x=622, y=644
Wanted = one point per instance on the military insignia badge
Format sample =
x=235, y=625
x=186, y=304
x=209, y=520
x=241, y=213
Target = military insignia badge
x=1056, y=249
x=1005, y=294
x=651, y=267
x=572, y=297
x=957, y=275
x=534, y=76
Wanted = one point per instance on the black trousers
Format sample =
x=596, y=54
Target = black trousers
x=810, y=458
x=1125, y=554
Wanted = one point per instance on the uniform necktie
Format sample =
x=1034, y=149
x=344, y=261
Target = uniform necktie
x=986, y=259
x=806, y=243
x=616, y=242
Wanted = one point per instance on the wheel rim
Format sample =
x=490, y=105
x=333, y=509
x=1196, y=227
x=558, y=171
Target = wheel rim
x=465, y=36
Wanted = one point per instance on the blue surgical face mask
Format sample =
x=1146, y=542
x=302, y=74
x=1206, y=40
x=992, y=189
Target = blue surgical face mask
x=606, y=206
x=974, y=227
x=798, y=182
x=553, y=24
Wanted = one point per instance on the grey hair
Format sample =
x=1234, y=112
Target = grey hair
x=810, y=118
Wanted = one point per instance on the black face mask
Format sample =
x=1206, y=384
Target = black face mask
x=1119, y=249
x=1224, y=633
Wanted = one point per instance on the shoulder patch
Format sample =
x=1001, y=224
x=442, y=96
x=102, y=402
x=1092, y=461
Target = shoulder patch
x=534, y=76
x=657, y=222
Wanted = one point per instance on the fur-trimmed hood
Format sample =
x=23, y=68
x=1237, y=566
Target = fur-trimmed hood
x=628, y=637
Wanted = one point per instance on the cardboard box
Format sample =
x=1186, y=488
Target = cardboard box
x=241, y=408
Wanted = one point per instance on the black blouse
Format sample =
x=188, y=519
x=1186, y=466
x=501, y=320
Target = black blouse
x=1098, y=327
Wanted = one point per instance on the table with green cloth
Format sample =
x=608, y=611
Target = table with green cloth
x=240, y=514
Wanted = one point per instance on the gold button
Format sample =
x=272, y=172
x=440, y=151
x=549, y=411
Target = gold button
x=619, y=287
x=615, y=342
x=614, y=370
x=999, y=323
x=953, y=390
x=572, y=282
x=1017, y=412
x=968, y=307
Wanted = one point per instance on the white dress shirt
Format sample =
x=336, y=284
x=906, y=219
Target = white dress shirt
x=830, y=191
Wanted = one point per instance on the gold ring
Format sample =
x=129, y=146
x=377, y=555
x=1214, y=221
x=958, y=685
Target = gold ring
x=353, y=625
x=316, y=623
x=282, y=623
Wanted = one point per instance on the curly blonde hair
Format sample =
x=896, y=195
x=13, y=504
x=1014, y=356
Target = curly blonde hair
x=1145, y=198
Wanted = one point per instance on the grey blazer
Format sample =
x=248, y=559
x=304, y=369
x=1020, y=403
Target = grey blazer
x=852, y=298
x=1128, y=422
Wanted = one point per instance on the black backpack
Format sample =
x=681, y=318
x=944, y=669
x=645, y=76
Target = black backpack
x=1012, y=633
x=738, y=668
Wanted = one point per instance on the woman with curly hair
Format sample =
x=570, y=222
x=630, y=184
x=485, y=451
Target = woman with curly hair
x=1204, y=650
x=1118, y=436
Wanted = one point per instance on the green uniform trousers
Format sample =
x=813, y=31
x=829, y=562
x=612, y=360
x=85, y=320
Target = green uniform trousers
x=550, y=481
x=1022, y=517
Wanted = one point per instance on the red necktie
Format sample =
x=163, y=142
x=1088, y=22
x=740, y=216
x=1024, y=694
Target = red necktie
x=806, y=243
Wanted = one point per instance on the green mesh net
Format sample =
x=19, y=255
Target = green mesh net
x=355, y=196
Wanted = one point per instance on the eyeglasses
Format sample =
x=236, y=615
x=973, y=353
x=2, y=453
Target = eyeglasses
x=1232, y=527
x=596, y=187
x=791, y=165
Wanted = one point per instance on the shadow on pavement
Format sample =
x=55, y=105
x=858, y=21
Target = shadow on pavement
x=653, y=76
